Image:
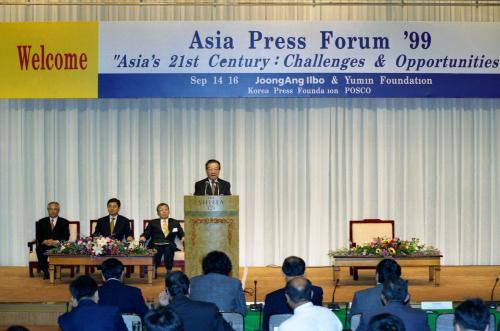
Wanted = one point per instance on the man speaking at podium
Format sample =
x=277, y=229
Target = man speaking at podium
x=212, y=185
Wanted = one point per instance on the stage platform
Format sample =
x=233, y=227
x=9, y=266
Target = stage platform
x=17, y=289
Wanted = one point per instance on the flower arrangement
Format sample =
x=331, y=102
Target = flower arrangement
x=388, y=247
x=101, y=246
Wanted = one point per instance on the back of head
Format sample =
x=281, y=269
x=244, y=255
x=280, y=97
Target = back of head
x=163, y=319
x=293, y=266
x=386, y=322
x=83, y=287
x=472, y=314
x=177, y=283
x=299, y=289
x=17, y=328
x=112, y=268
x=217, y=262
x=388, y=269
x=395, y=290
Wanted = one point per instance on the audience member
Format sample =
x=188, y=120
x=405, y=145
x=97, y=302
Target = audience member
x=163, y=231
x=276, y=303
x=216, y=286
x=162, y=319
x=472, y=315
x=370, y=299
x=113, y=225
x=113, y=292
x=17, y=328
x=307, y=316
x=386, y=322
x=195, y=315
x=49, y=231
x=86, y=314
x=395, y=296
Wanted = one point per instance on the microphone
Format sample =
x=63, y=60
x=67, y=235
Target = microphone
x=333, y=305
x=206, y=186
x=255, y=306
x=493, y=304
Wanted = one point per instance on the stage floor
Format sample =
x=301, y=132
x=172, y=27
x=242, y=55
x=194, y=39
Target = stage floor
x=457, y=283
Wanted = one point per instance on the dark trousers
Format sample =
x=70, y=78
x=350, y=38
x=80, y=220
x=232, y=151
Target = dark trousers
x=167, y=252
x=43, y=263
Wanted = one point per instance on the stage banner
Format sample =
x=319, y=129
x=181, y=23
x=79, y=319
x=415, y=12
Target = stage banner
x=249, y=59
x=48, y=60
x=298, y=59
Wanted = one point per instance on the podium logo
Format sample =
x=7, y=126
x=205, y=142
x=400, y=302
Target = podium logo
x=49, y=60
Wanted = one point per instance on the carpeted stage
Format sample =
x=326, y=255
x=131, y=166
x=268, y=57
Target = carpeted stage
x=18, y=290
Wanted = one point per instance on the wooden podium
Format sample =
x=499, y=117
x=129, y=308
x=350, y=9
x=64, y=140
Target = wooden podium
x=210, y=223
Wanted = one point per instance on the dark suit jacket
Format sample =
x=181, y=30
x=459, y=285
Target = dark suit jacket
x=44, y=231
x=275, y=303
x=367, y=300
x=226, y=292
x=120, y=232
x=88, y=316
x=155, y=232
x=128, y=299
x=197, y=315
x=414, y=319
x=203, y=188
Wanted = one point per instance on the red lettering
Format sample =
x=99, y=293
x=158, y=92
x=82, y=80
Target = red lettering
x=58, y=61
x=43, y=56
x=24, y=55
x=50, y=59
x=46, y=60
x=83, y=61
x=34, y=61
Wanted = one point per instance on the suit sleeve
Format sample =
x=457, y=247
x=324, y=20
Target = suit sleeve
x=228, y=188
x=354, y=306
x=147, y=231
x=180, y=233
x=198, y=190
x=97, y=230
x=39, y=233
x=128, y=230
x=241, y=306
x=363, y=323
x=318, y=300
x=141, y=307
x=119, y=323
x=266, y=313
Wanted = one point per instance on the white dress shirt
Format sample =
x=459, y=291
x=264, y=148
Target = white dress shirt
x=311, y=318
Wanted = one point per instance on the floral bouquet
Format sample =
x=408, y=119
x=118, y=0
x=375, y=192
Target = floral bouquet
x=388, y=247
x=101, y=246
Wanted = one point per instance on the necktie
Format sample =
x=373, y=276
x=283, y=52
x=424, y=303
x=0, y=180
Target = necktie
x=112, y=224
x=164, y=227
x=213, y=187
x=52, y=224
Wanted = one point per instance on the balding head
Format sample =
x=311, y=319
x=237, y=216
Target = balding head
x=298, y=291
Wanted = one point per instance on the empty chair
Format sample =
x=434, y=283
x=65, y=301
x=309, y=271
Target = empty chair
x=276, y=320
x=133, y=322
x=355, y=319
x=444, y=322
x=236, y=320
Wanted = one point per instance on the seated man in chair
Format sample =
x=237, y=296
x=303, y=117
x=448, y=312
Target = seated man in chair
x=162, y=232
x=49, y=231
